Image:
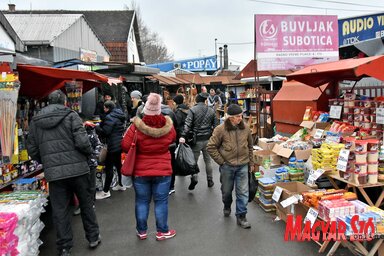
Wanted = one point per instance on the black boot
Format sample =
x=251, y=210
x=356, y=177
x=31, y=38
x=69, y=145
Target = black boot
x=242, y=221
x=193, y=183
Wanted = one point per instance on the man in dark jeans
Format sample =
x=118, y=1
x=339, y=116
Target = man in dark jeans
x=201, y=120
x=58, y=140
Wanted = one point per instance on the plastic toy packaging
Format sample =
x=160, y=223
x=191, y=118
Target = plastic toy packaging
x=323, y=118
x=307, y=114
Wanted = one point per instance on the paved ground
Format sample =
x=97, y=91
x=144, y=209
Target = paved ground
x=199, y=222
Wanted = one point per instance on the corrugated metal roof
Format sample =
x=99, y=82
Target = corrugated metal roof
x=41, y=27
x=168, y=80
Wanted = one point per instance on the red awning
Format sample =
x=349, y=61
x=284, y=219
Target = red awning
x=37, y=82
x=348, y=69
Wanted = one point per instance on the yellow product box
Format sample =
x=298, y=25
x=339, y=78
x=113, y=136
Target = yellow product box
x=23, y=155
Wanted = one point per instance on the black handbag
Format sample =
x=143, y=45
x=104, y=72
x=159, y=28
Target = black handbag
x=252, y=182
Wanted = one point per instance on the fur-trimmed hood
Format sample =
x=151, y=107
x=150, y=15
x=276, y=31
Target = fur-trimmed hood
x=229, y=126
x=151, y=131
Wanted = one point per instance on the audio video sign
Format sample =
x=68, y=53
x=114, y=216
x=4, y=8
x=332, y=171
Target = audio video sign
x=286, y=42
x=357, y=29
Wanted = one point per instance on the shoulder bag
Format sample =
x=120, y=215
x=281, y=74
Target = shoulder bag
x=130, y=157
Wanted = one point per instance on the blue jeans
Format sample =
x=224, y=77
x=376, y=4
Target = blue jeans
x=201, y=145
x=145, y=187
x=230, y=176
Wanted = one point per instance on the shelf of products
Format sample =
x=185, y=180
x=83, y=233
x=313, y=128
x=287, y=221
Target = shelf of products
x=25, y=175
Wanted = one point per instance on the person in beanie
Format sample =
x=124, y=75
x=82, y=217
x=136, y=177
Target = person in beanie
x=58, y=140
x=112, y=129
x=136, y=102
x=231, y=147
x=200, y=122
x=152, y=169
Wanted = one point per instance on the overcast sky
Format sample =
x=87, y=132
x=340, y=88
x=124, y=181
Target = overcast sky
x=189, y=28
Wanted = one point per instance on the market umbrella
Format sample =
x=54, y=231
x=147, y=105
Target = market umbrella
x=348, y=69
x=37, y=82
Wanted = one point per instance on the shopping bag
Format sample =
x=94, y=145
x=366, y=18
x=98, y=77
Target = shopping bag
x=252, y=182
x=103, y=154
x=130, y=157
x=185, y=161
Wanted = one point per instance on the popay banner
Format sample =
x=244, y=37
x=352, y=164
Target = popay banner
x=286, y=42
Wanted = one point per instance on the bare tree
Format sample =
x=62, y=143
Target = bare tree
x=154, y=50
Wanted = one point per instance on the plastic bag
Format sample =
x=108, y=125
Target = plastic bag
x=252, y=182
x=185, y=161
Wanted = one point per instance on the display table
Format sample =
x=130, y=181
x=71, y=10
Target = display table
x=361, y=188
x=356, y=247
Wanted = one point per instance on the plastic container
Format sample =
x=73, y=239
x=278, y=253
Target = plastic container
x=373, y=167
x=281, y=175
x=349, y=143
x=358, y=117
x=361, y=145
x=300, y=164
x=363, y=179
x=292, y=162
x=373, y=145
x=361, y=157
x=356, y=111
x=373, y=177
x=361, y=168
x=373, y=156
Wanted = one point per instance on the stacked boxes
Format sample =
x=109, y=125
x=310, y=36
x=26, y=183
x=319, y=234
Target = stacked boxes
x=266, y=188
x=326, y=156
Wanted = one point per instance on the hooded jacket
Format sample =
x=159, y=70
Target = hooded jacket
x=231, y=144
x=58, y=140
x=181, y=113
x=152, y=155
x=113, y=128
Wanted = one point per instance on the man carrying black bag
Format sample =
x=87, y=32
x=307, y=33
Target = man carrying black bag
x=231, y=146
x=200, y=122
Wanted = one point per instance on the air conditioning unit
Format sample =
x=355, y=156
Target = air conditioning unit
x=176, y=65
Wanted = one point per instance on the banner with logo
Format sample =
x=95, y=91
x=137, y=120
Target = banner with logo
x=357, y=29
x=208, y=63
x=284, y=42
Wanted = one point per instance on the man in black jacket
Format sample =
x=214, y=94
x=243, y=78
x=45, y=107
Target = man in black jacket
x=58, y=140
x=200, y=121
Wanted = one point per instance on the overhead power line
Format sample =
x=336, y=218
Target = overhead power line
x=353, y=4
x=312, y=7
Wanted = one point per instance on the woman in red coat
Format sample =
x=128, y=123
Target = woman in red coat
x=152, y=170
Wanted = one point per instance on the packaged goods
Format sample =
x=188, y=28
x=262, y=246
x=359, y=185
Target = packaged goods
x=361, y=157
x=349, y=143
x=281, y=175
x=373, y=167
x=363, y=179
x=361, y=168
x=361, y=145
x=372, y=177
x=373, y=156
x=373, y=145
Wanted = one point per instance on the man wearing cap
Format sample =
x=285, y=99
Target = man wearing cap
x=200, y=121
x=231, y=147
x=136, y=102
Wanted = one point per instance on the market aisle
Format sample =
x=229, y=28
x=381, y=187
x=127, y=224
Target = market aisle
x=199, y=222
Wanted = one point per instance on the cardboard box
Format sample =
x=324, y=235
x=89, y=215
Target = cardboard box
x=315, y=125
x=287, y=153
x=259, y=156
x=292, y=188
x=267, y=144
x=269, y=173
x=299, y=209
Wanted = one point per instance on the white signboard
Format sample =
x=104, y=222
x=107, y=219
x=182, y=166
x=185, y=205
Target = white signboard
x=335, y=111
x=318, y=134
x=380, y=115
x=314, y=175
x=342, y=161
x=311, y=216
x=277, y=193
x=290, y=200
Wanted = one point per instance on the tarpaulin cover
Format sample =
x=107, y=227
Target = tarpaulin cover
x=37, y=82
x=348, y=69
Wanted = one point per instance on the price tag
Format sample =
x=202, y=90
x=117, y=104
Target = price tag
x=335, y=111
x=311, y=216
x=290, y=200
x=342, y=161
x=314, y=175
x=318, y=134
x=380, y=115
x=277, y=193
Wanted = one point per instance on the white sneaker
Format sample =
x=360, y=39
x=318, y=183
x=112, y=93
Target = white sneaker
x=118, y=187
x=102, y=195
